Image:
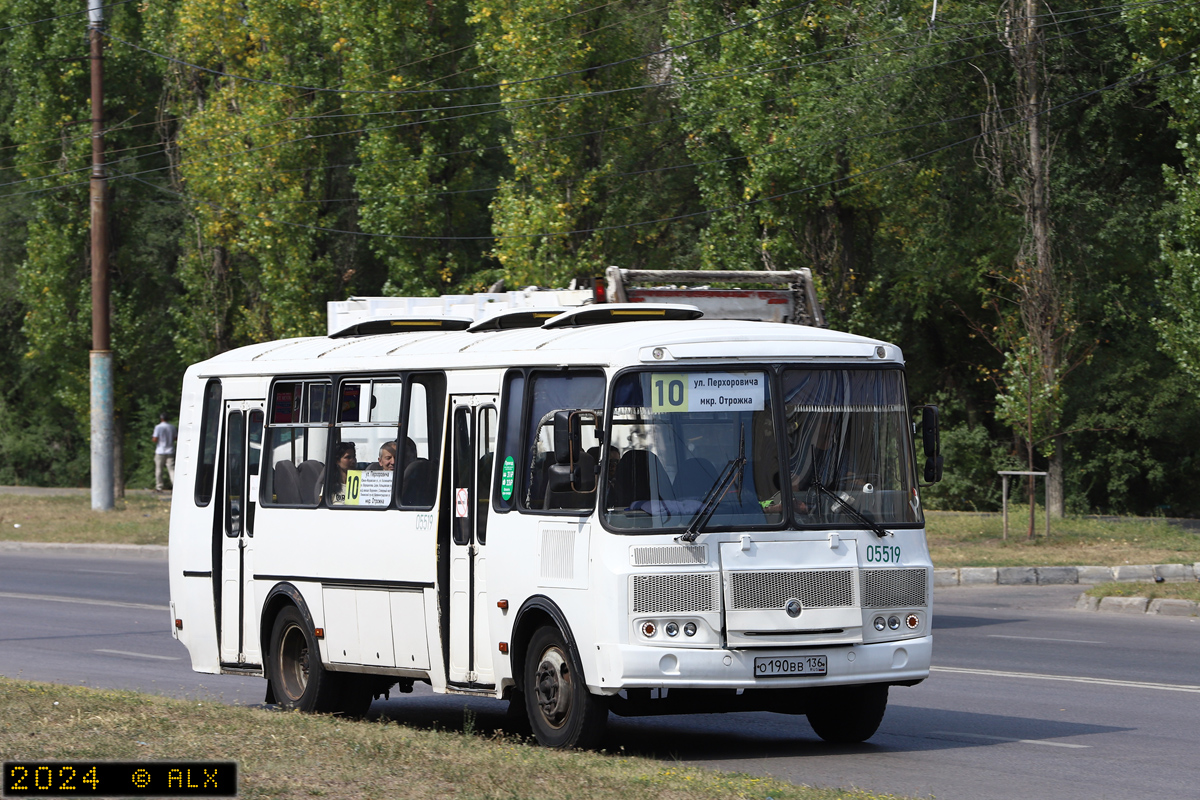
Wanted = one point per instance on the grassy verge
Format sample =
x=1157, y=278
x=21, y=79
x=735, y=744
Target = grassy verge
x=968, y=540
x=1176, y=591
x=283, y=755
x=138, y=519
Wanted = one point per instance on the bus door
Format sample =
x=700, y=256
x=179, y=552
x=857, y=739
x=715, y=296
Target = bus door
x=473, y=422
x=243, y=453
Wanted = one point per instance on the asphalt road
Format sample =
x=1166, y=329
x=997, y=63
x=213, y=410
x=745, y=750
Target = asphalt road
x=1028, y=698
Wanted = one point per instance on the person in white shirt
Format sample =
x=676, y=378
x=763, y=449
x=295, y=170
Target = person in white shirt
x=164, y=451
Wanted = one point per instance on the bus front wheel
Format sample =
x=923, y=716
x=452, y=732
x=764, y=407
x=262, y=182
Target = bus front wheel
x=849, y=714
x=561, y=710
x=298, y=678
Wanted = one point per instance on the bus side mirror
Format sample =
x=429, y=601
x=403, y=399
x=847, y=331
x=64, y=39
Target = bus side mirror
x=932, y=443
x=574, y=469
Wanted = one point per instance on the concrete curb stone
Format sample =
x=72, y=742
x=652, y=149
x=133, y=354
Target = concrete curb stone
x=1057, y=575
x=1162, y=606
x=1094, y=574
x=1124, y=605
x=1172, y=607
x=1017, y=576
x=945, y=577
x=1134, y=572
x=969, y=576
x=1048, y=576
x=150, y=551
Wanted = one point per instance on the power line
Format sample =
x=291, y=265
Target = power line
x=452, y=90
x=564, y=98
x=63, y=16
x=705, y=212
x=1084, y=14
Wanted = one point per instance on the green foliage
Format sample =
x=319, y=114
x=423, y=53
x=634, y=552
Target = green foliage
x=841, y=136
x=972, y=459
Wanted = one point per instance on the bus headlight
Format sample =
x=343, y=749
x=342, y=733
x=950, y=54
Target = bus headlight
x=880, y=624
x=894, y=623
x=689, y=629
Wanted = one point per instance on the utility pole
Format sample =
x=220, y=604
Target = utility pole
x=101, y=360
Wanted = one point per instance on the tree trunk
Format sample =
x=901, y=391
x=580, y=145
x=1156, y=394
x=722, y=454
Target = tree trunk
x=1055, y=494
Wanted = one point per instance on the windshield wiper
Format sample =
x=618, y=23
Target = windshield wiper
x=733, y=470
x=847, y=503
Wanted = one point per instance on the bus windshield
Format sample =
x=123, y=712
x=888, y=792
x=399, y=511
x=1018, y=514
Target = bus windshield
x=847, y=433
x=846, y=444
x=671, y=437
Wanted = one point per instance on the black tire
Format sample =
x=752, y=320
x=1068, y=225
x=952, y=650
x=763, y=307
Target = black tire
x=851, y=714
x=298, y=678
x=562, y=712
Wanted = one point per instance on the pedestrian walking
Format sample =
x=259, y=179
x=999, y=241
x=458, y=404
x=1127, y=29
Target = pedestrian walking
x=164, y=451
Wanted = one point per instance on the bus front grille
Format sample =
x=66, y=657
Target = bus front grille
x=679, y=593
x=826, y=588
x=893, y=588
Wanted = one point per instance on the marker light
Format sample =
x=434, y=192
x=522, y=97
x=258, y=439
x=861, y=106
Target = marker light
x=912, y=621
x=648, y=629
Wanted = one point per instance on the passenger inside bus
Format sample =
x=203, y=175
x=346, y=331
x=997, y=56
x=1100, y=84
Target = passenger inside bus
x=387, y=458
x=344, y=460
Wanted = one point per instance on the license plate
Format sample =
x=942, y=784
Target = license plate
x=772, y=667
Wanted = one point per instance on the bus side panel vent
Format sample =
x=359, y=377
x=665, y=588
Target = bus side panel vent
x=671, y=555
x=558, y=553
x=893, y=588
x=678, y=593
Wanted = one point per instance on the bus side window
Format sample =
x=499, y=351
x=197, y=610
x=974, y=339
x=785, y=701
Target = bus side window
x=421, y=442
x=210, y=428
x=368, y=419
x=549, y=392
x=510, y=440
x=297, y=440
x=485, y=444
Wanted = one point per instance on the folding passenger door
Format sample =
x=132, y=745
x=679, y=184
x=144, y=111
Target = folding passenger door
x=473, y=423
x=242, y=453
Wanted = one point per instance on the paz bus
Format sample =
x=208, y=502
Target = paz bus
x=618, y=508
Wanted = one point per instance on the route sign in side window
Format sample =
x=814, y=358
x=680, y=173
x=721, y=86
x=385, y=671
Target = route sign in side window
x=366, y=446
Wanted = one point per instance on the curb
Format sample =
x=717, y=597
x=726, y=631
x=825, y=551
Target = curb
x=1047, y=576
x=156, y=552
x=1163, y=606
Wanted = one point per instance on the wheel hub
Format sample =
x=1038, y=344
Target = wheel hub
x=552, y=689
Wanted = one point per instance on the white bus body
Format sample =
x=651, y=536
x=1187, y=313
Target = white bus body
x=689, y=578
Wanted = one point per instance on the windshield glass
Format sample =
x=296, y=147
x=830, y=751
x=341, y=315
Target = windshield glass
x=847, y=431
x=672, y=435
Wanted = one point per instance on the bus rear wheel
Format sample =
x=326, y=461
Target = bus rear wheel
x=849, y=714
x=561, y=710
x=298, y=678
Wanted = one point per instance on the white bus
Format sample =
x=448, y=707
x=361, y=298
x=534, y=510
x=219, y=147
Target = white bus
x=615, y=508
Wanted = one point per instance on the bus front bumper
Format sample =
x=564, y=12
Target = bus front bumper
x=623, y=666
